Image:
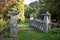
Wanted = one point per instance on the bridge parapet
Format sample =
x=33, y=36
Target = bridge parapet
x=45, y=25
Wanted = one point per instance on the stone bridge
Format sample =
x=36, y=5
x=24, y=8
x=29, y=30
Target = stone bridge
x=43, y=26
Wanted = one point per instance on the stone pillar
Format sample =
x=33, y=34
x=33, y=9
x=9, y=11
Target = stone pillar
x=13, y=25
x=31, y=17
x=47, y=22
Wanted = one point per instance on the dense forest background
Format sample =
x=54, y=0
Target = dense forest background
x=35, y=8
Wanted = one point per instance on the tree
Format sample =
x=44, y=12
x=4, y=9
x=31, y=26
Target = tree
x=53, y=7
x=34, y=6
x=26, y=11
x=4, y=4
x=19, y=6
x=4, y=7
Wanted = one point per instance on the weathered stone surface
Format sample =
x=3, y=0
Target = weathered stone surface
x=43, y=26
x=3, y=38
x=13, y=26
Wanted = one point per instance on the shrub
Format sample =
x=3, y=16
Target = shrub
x=54, y=31
x=3, y=24
x=3, y=27
x=53, y=25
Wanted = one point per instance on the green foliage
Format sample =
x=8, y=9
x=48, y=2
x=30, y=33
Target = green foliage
x=31, y=35
x=53, y=7
x=32, y=8
x=21, y=25
x=35, y=34
x=19, y=6
x=6, y=33
x=27, y=11
x=54, y=31
x=4, y=29
x=3, y=24
x=53, y=25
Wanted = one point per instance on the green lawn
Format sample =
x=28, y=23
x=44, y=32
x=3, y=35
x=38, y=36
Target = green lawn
x=34, y=34
x=21, y=25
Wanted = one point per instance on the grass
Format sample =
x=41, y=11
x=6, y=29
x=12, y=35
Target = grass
x=23, y=25
x=34, y=34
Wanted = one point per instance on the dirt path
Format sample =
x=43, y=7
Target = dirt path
x=25, y=28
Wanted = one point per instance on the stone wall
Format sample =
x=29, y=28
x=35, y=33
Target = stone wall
x=40, y=25
x=37, y=24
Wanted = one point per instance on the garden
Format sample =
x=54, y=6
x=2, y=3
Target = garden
x=15, y=15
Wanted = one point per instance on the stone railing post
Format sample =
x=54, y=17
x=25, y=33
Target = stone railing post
x=31, y=17
x=13, y=25
x=47, y=22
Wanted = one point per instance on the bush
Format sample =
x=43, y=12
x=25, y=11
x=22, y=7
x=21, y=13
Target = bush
x=27, y=20
x=4, y=27
x=6, y=33
x=3, y=24
x=54, y=31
